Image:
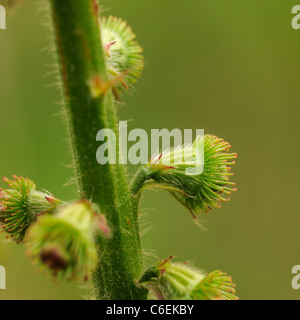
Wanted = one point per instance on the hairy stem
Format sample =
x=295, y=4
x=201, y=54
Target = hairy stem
x=90, y=108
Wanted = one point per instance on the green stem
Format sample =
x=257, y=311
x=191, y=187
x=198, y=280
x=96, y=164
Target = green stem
x=138, y=181
x=90, y=108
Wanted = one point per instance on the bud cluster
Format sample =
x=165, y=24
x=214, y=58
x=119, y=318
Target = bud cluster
x=21, y=204
x=172, y=281
x=124, y=58
x=63, y=244
x=199, y=186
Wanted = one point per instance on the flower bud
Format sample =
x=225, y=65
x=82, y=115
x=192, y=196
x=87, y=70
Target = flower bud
x=21, y=204
x=123, y=54
x=197, y=175
x=170, y=281
x=63, y=244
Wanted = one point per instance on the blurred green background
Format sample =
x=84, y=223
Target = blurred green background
x=228, y=66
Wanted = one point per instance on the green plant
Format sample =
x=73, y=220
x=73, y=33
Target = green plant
x=99, y=235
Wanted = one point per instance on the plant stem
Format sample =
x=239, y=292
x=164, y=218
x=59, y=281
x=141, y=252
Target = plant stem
x=90, y=108
x=138, y=181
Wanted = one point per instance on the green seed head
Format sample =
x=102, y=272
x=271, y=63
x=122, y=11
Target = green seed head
x=170, y=281
x=21, y=204
x=63, y=244
x=198, y=186
x=123, y=54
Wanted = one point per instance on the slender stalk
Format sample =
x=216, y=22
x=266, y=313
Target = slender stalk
x=90, y=108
